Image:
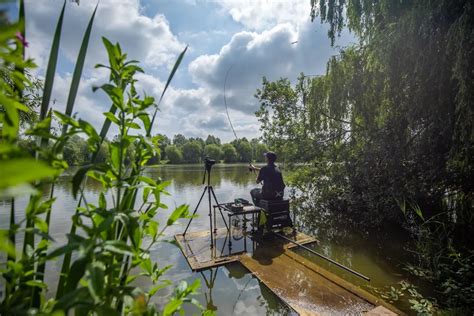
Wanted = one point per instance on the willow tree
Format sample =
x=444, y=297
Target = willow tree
x=390, y=124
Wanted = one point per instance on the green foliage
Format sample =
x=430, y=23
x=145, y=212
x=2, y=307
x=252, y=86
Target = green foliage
x=179, y=140
x=244, y=149
x=76, y=151
x=229, y=153
x=174, y=154
x=101, y=263
x=259, y=149
x=390, y=121
x=163, y=141
x=211, y=139
x=192, y=152
x=213, y=151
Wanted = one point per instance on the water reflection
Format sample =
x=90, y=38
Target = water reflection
x=230, y=295
x=233, y=290
x=381, y=254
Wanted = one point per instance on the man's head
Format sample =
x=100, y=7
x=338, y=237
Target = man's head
x=270, y=156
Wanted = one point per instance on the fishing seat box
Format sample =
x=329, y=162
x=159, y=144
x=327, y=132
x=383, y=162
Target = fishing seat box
x=278, y=213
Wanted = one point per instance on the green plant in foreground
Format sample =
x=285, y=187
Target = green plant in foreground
x=108, y=247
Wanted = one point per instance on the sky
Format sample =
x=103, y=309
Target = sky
x=248, y=39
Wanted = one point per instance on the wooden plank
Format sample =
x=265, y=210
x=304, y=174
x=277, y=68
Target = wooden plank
x=343, y=283
x=195, y=247
x=301, y=288
x=380, y=311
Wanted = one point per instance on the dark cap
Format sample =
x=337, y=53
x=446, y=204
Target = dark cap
x=271, y=156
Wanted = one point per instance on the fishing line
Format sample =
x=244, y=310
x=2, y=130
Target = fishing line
x=225, y=103
x=227, y=112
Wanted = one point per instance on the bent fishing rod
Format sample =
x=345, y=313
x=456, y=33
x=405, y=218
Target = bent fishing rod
x=360, y=275
x=228, y=115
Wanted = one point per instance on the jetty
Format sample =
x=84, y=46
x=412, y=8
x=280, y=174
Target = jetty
x=301, y=284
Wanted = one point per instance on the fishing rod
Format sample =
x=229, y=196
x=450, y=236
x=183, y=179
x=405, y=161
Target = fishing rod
x=228, y=115
x=360, y=275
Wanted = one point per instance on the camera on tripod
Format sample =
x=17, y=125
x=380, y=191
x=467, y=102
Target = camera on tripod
x=209, y=163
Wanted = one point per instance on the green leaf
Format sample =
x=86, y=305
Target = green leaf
x=78, y=178
x=35, y=283
x=51, y=69
x=145, y=118
x=69, y=248
x=6, y=245
x=180, y=212
x=118, y=247
x=75, y=273
x=172, y=306
x=23, y=170
x=102, y=201
x=170, y=77
x=111, y=117
x=96, y=280
x=76, y=77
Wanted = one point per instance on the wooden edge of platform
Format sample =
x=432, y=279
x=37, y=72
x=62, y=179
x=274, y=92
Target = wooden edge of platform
x=343, y=283
x=197, y=266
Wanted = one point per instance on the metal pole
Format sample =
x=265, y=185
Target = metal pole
x=324, y=257
x=209, y=189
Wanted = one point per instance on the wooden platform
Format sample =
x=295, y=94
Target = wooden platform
x=195, y=247
x=309, y=289
x=301, y=284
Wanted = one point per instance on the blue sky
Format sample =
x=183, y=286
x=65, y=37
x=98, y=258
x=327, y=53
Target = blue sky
x=253, y=37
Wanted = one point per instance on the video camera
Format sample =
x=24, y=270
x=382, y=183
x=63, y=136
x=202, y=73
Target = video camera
x=209, y=163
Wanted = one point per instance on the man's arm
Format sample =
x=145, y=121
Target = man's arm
x=251, y=166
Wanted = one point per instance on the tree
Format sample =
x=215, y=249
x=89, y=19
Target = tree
x=199, y=140
x=259, y=149
x=163, y=141
x=192, y=152
x=243, y=148
x=229, y=153
x=76, y=151
x=179, y=140
x=31, y=94
x=103, y=155
x=174, y=154
x=213, y=151
x=211, y=139
x=390, y=124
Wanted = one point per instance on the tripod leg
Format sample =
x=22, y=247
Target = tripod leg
x=209, y=190
x=195, y=210
x=220, y=211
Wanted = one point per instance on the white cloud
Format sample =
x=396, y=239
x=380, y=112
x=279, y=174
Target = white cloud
x=148, y=39
x=282, y=51
x=279, y=41
x=263, y=14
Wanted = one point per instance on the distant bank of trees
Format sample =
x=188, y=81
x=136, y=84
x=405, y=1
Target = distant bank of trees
x=174, y=151
x=193, y=150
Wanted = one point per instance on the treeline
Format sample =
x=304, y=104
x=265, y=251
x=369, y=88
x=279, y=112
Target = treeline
x=194, y=150
x=174, y=151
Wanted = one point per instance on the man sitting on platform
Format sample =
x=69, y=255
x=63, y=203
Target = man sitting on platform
x=273, y=186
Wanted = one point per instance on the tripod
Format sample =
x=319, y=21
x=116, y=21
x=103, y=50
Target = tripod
x=210, y=193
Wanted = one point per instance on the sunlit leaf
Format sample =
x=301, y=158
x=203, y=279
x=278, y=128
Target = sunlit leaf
x=23, y=170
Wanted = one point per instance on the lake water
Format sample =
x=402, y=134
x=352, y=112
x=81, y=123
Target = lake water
x=234, y=290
